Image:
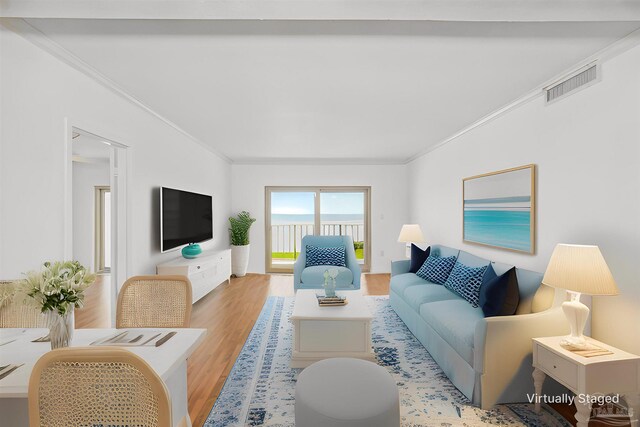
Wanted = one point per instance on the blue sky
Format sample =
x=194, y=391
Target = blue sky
x=330, y=203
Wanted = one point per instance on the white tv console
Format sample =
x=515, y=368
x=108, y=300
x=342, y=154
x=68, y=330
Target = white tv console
x=206, y=272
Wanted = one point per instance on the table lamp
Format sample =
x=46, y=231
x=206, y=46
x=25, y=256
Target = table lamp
x=580, y=269
x=410, y=233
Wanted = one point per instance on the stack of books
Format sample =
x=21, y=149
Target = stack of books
x=324, y=301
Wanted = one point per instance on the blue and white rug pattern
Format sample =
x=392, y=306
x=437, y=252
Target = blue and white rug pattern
x=261, y=386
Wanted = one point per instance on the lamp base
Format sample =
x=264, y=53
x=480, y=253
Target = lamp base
x=407, y=250
x=577, y=314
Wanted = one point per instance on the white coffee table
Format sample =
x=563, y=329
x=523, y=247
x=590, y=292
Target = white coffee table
x=325, y=332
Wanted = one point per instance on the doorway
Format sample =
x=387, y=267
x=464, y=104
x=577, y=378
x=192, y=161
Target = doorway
x=96, y=202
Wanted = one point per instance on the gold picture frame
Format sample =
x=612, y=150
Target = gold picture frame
x=499, y=209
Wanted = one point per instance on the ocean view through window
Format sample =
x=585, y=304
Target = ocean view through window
x=294, y=212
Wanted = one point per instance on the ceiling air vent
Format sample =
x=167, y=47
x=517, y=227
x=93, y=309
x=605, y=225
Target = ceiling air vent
x=581, y=79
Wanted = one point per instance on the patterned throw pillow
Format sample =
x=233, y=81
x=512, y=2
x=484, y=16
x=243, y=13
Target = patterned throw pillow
x=326, y=256
x=436, y=269
x=466, y=281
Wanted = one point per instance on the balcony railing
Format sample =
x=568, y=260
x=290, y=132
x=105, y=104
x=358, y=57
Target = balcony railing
x=286, y=239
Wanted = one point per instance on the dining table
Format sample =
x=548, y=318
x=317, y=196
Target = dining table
x=168, y=360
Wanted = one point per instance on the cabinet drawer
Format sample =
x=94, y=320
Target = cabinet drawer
x=558, y=367
x=200, y=267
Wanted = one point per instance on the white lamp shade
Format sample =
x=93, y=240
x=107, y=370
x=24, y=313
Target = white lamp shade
x=411, y=233
x=580, y=268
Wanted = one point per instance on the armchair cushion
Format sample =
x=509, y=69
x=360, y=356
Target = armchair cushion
x=436, y=269
x=334, y=256
x=315, y=275
x=418, y=257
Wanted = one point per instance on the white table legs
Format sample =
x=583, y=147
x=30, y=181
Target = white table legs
x=177, y=386
x=584, y=413
x=538, y=380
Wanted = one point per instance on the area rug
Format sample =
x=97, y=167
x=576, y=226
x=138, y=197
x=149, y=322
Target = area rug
x=260, y=389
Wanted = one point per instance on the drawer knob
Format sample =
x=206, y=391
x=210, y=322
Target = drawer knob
x=198, y=267
x=554, y=366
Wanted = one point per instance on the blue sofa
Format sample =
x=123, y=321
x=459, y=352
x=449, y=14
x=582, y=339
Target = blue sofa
x=487, y=359
x=313, y=277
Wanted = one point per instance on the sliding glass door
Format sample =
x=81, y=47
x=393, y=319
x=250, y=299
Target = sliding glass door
x=294, y=212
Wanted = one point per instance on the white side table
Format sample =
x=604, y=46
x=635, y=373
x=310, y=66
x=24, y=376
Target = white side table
x=593, y=376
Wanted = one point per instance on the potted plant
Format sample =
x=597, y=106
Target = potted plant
x=57, y=290
x=239, y=230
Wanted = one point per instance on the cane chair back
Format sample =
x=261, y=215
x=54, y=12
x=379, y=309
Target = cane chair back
x=16, y=314
x=96, y=386
x=154, y=302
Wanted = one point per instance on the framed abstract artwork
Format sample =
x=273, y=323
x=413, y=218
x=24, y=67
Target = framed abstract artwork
x=499, y=209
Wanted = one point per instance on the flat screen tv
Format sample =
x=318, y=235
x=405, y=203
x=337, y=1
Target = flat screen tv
x=185, y=218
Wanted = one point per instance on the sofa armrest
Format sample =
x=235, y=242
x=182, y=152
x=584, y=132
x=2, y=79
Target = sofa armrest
x=400, y=267
x=503, y=344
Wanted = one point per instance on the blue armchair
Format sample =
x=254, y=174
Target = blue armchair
x=313, y=277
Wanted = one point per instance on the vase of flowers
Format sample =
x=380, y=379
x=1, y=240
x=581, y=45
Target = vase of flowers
x=57, y=290
x=330, y=282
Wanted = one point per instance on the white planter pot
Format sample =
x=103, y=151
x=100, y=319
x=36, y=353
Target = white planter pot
x=239, y=260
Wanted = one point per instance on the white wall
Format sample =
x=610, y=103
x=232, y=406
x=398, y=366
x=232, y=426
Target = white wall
x=388, y=201
x=587, y=150
x=38, y=93
x=86, y=176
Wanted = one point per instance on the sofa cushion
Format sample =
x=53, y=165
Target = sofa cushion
x=500, y=296
x=436, y=269
x=325, y=256
x=418, y=257
x=400, y=282
x=415, y=296
x=315, y=275
x=466, y=282
x=455, y=322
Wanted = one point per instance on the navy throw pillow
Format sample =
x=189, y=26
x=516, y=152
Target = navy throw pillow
x=466, y=282
x=325, y=256
x=500, y=296
x=418, y=257
x=436, y=269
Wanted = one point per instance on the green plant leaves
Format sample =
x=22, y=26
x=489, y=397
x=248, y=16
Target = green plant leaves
x=240, y=226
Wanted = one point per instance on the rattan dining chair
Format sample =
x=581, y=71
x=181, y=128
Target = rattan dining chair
x=154, y=302
x=16, y=314
x=97, y=386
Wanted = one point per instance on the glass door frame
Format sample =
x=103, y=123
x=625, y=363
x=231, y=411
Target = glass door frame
x=366, y=190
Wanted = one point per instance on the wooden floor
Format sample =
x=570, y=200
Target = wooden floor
x=228, y=313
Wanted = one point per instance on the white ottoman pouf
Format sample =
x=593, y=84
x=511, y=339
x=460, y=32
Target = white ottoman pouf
x=346, y=392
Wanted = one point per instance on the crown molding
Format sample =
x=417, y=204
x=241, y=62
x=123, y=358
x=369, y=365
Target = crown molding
x=324, y=161
x=423, y=10
x=605, y=54
x=35, y=36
